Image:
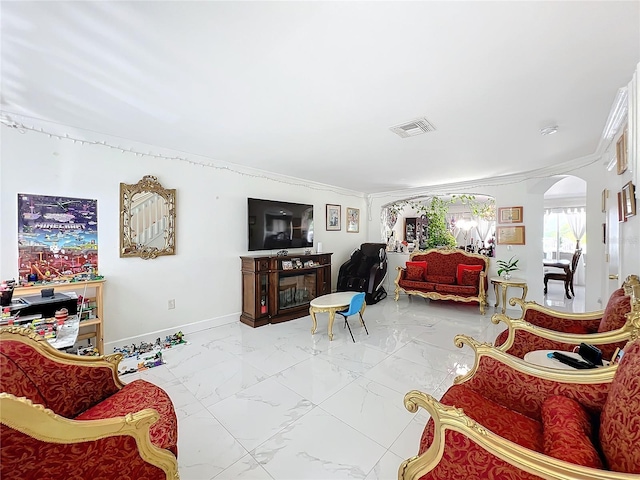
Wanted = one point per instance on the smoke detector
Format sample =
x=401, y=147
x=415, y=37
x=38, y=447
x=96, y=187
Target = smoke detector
x=413, y=128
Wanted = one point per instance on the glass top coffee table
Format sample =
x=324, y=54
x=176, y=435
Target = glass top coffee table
x=331, y=303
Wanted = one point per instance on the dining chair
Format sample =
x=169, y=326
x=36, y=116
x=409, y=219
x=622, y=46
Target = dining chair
x=355, y=306
x=565, y=276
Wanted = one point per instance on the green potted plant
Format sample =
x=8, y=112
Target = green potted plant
x=507, y=266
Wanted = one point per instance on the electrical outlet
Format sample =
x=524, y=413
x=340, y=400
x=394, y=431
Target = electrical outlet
x=172, y=304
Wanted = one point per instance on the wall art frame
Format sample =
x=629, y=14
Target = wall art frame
x=334, y=215
x=147, y=219
x=605, y=195
x=622, y=162
x=513, y=235
x=57, y=236
x=629, y=200
x=510, y=215
x=353, y=220
x=621, y=217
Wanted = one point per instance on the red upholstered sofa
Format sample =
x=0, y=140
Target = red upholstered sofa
x=540, y=328
x=448, y=275
x=508, y=419
x=69, y=417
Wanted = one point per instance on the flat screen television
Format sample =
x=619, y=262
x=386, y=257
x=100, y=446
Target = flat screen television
x=277, y=225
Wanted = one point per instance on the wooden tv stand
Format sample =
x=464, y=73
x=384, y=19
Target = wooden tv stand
x=272, y=293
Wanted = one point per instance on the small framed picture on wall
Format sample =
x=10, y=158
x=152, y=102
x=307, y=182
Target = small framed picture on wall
x=353, y=220
x=333, y=217
x=629, y=200
x=511, y=235
x=510, y=215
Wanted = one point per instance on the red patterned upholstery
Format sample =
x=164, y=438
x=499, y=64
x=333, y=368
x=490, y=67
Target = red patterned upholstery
x=420, y=264
x=415, y=273
x=620, y=420
x=412, y=284
x=66, y=389
x=109, y=458
x=507, y=423
x=466, y=268
x=573, y=422
x=615, y=313
x=568, y=433
x=62, y=442
x=12, y=379
x=135, y=396
x=613, y=318
x=444, y=280
x=559, y=324
x=469, y=277
x=467, y=460
x=526, y=393
x=526, y=341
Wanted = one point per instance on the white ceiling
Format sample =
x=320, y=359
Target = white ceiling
x=309, y=89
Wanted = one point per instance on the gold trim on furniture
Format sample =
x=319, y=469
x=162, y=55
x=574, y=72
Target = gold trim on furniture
x=597, y=375
x=27, y=336
x=43, y=424
x=147, y=219
x=451, y=418
x=482, y=293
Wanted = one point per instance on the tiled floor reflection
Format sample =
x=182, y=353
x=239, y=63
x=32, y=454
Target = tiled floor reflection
x=278, y=403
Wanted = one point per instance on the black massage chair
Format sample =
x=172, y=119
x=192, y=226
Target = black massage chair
x=365, y=271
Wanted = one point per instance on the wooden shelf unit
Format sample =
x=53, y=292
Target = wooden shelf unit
x=94, y=292
x=273, y=294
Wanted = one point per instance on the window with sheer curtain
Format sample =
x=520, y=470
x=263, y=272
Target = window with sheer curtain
x=564, y=230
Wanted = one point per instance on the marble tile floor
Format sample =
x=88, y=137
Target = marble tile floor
x=557, y=300
x=277, y=403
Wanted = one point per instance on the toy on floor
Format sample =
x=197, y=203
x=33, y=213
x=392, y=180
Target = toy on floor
x=148, y=355
x=134, y=350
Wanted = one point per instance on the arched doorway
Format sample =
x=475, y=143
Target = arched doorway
x=565, y=221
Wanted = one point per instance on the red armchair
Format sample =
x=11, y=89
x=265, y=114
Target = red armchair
x=64, y=416
x=507, y=419
x=540, y=328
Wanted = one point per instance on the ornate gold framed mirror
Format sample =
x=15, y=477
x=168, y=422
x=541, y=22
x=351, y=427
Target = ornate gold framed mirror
x=147, y=219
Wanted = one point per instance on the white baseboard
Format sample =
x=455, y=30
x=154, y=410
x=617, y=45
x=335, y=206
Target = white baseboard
x=186, y=329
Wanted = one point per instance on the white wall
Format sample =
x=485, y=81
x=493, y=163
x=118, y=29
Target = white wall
x=204, y=277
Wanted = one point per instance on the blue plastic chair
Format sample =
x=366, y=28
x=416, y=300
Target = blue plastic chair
x=354, y=307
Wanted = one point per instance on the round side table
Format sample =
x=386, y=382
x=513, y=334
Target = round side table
x=504, y=285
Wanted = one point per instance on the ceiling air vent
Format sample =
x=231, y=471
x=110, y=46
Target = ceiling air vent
x=413, y=128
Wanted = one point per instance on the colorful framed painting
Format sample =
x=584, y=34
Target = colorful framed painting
x=510, y=215
x=57, y=236
x=353, y=220
x=333, y=217
x=510, y=235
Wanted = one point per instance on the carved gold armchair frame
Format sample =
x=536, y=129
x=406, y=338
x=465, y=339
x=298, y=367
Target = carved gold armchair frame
x=451, y=418
x=43, y=424
x=629, y=331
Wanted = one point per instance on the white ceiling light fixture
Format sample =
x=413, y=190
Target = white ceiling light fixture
x=550, y=130
x=413, y=128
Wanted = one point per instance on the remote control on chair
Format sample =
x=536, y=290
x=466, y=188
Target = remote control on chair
x=566, y=359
